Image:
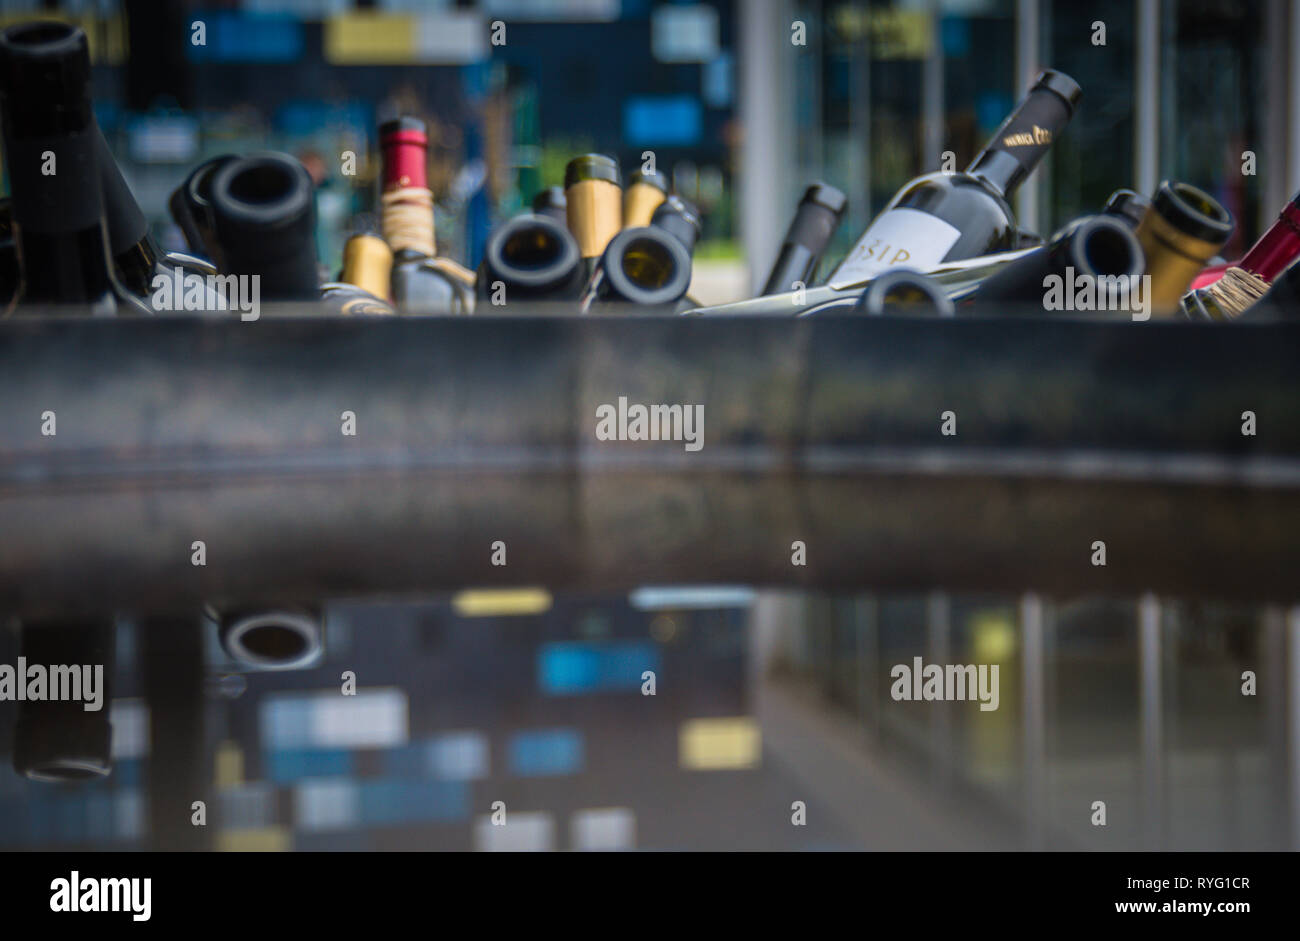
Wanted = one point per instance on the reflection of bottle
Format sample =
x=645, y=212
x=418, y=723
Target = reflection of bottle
x=1093, y=247
x=593, y=197
x=287, y=638
x=265, y=219
x=811, y=229
x=1184, y=228
x=550, y=202
x=191, y=207
x=645, y=191
x=59, y=739
x=419, y=284
x=1269, y=257
x=58, y=215
x=948, y=216
x=531, y=257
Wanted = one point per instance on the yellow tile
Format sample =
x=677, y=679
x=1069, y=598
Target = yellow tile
x=714, y=744
x=228, y=766
x=257, y=840
x=370, y=39
x=482, y=603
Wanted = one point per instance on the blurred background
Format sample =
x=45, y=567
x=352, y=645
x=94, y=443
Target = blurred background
x=763, y=699
x=743, y=103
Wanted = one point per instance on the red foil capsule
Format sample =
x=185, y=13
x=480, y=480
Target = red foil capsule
x=405, y=144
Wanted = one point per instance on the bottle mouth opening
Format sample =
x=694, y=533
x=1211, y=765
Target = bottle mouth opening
x=1194, y=211
x=532, y=250
x=262, y=185
x=648, y=263
x=1108, y=250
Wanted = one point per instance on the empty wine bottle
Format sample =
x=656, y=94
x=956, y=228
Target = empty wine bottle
x=1280, y=303
x=136, y=256
x=550, y=202
x=1276, y=249
x=593, y=198
x=904, y=293
x=363, y=283
x=1097, y=253
x=529, y=257
x=1184, y=228
x=419, y=284
x=1128, y=206
x=643, y=270
x=264, y=216
x=1224, y=298
x=957, y=278
x=680, y=219
x=811, y=230
x=950, y=216
x=50, y=146
x=646, y=189
x=191, y=208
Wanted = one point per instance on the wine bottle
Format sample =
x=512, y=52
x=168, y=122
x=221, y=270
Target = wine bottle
x=1101, y=248
x=191, y=207
x=1280, y=303
x=646, y=189
x=949, y=216
x=680, y=219
x=363, y=283
x=1277, y=248
x=1184, y=228
x=264, y=216
x=646, y=266
x=550, y=202
x=419, y=284
x=1127, y=206
x=529, y=257
x=957, y=278
x=58, y=216
x=814, y=224
x=1226, y=298
x=904, y=293
x=593, y=199
x=136, y=256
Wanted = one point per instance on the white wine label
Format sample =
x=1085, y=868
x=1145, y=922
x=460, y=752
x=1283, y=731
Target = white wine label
x=900, y=238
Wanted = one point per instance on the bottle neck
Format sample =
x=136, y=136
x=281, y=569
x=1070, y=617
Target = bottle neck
x=1277, y=247
x=999, y=171
x=1018, y=146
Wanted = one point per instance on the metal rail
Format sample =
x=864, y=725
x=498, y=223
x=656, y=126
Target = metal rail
x=474, y=430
